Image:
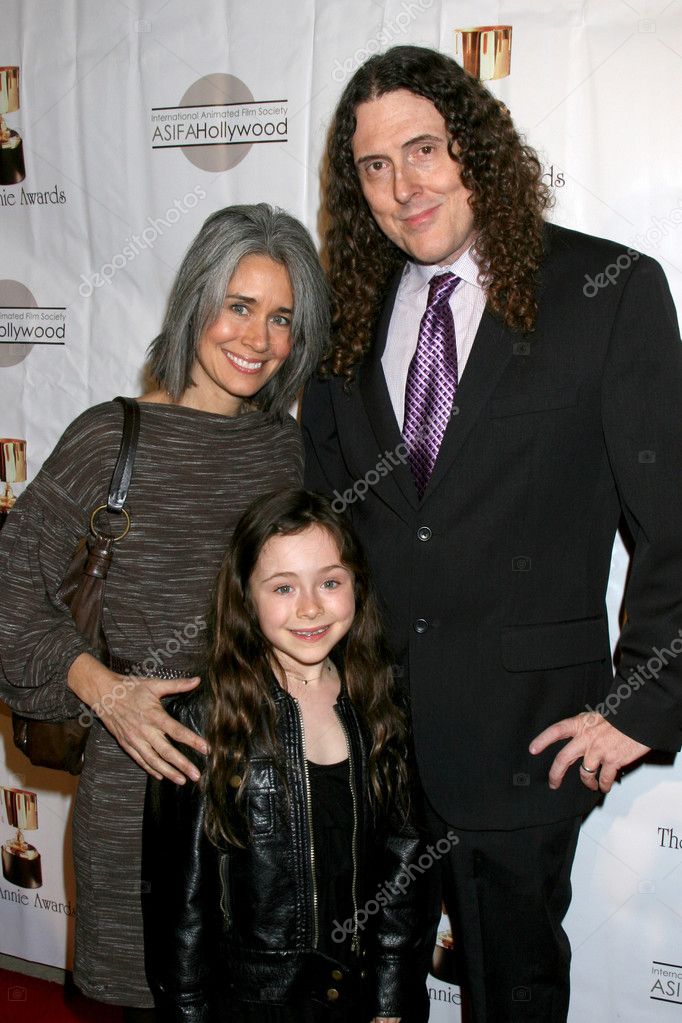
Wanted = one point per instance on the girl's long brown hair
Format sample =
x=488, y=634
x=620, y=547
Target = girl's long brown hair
x=504, y=176
x=242, y=711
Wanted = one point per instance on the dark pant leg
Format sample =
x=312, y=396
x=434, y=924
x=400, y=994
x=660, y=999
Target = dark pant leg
x=507, y=893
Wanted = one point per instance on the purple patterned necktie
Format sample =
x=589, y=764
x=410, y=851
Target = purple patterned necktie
x=431, y=381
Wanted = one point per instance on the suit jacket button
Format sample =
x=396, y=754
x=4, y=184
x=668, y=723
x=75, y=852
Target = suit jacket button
x=332, y=994
x=421, y=625
x=424, y=533
x=337, y=975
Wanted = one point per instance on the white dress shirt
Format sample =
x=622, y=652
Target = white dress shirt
x=467, y=303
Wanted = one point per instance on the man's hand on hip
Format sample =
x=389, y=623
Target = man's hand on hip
x=601, y=749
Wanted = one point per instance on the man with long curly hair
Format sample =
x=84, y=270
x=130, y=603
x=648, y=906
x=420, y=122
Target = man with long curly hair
x=500, y=394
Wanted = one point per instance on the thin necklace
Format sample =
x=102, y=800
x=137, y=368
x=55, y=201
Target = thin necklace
x=305, y=681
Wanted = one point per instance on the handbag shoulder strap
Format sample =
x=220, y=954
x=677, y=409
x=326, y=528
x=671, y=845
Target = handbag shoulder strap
x=123, y=470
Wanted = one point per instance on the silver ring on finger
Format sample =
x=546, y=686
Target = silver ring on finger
x=588, y=770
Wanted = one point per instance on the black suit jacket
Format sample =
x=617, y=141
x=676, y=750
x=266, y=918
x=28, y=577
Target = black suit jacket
x=494, y=584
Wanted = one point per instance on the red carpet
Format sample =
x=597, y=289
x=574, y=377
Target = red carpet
x=29, y=1000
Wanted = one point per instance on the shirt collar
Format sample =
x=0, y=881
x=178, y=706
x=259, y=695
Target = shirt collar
x=417, y=276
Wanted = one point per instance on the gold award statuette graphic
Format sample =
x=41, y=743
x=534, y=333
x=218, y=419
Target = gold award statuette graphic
x=21, y=861
x=12, y=470
x=12, y=169
x=485, y=51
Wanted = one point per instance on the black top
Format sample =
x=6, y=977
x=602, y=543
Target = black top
x=332, y=817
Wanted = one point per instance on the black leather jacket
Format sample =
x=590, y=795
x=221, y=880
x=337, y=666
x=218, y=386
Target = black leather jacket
x=228, y=924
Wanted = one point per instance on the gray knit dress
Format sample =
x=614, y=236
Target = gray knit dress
x=195, y=473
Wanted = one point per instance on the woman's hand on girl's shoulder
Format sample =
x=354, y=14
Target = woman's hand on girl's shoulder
x=130, y=708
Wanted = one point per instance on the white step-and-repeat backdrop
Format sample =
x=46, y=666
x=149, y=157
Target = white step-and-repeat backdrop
x=124, y=125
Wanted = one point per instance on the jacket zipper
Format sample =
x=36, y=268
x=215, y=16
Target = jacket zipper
x=308, y=800
x=225, y=891
x=355, y=943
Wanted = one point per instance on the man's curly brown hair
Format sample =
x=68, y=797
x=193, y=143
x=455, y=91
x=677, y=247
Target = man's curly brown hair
x=504, y=176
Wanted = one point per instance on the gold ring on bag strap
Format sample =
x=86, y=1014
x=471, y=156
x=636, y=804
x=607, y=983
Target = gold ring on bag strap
x=103, y=536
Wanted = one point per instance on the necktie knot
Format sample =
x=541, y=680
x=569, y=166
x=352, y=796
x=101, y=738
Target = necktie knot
x=441, y=286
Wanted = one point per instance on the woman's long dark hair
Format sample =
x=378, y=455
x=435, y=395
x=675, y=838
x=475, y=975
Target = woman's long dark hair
x=242, y=710
x=504, y=176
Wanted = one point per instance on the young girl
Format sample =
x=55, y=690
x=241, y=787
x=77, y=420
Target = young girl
x=285, y=886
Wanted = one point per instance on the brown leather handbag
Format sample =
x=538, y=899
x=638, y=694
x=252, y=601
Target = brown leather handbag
x=60, y=744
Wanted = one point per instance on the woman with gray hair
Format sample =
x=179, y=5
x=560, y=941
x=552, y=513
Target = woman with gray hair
x=246, y=325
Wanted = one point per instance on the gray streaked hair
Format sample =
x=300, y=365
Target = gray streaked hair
x=198, y=294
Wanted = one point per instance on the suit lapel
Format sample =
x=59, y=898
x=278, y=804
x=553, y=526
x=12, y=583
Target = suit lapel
x=490, y=354
x=377, y=401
